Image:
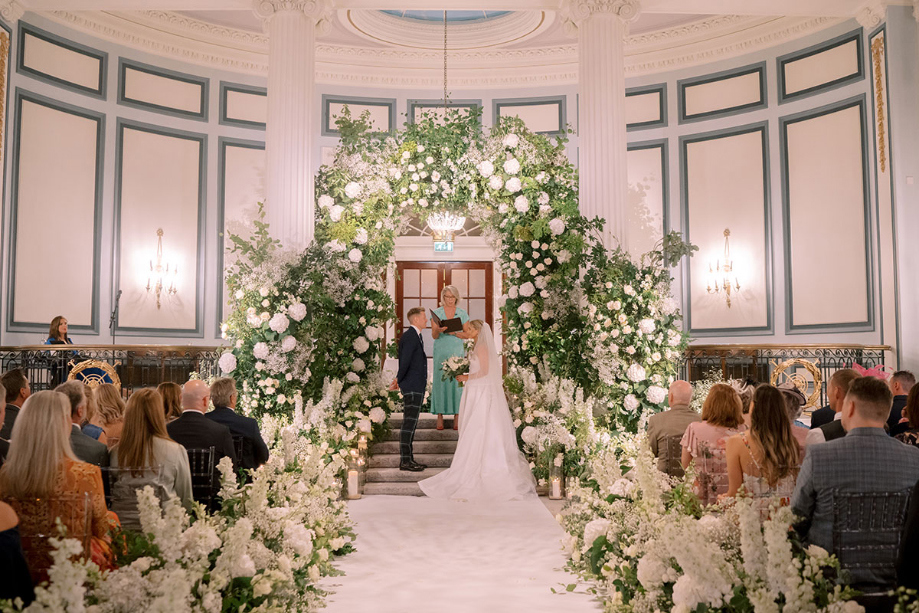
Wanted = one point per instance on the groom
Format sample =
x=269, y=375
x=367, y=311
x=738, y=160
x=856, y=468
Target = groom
x=412, y=380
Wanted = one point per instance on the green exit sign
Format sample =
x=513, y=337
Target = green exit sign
x=443, y=246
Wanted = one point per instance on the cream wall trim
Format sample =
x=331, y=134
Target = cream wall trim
x=818, y=167
x=830, y=64
x=173, y=35
x=357, y=105
x=148, y=87
x=732, y=181
x=646, y=107
x=649, y=189
x=245, y=106
x=542, y=114
x=184, y=314
x=61, y=62
x=435, y=106
x=41, y=161
x=724, y=93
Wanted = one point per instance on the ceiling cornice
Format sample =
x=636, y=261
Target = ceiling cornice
x=190, y=40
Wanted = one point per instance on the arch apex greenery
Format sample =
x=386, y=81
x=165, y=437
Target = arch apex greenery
x=591, y=322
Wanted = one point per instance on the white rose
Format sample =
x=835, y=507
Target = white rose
x=361, y=344
x=288, y=343
x=357, y=365
x=636, y=373
x=511, y=140
x=353, y=190
x=335, y=212
x=522, y=204
x=513, y=185
x=495, y=182
x=325, y=201
x=631, y=403
x=227, y=362
x=512, y=166
x=486, y=168
x=557, y=226
x=355, y=255
x=297, y=311
x=260, y=351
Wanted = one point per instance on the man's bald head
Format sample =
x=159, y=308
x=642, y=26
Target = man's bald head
x=680, y=394
x=195, y=395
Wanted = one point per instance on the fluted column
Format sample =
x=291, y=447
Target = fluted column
x=292, y=27
x=601, y=27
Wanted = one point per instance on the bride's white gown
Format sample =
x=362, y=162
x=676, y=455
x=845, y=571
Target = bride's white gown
x=487, y=466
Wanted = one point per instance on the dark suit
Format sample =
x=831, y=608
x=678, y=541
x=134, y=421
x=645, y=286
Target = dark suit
x=833, y=430
x=4, y=450
x=896, y=413
x=195, y=431
x=822, y=416
x=255, y=451
x=413, y=380
x=86, y=448
x=11, y=412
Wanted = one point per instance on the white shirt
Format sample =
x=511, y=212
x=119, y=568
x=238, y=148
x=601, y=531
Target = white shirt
x=816, y=436
x=418, y=330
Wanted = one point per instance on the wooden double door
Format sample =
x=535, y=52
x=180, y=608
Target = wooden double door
x=420, y=284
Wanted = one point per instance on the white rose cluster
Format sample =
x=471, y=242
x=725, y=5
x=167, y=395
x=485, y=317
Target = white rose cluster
x=486, y=168
x=511, y=141
x=522, y=204
x=647, y=326
x=355, y=255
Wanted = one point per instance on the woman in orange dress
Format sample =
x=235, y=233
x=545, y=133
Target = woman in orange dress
x=43, y=480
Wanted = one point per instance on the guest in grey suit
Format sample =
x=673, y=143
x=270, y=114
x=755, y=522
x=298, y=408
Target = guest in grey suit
x=84, y=447
x=671, y=423
x=866, y=460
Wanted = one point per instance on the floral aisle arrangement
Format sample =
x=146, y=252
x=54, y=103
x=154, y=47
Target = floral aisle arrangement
x=298, y=319
x=453, y=367
x=647, y=545
x=265, y=550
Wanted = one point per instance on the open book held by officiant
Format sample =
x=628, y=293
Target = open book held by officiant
x=452, y=325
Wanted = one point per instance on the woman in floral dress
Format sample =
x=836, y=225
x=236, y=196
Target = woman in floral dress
x=445, y=399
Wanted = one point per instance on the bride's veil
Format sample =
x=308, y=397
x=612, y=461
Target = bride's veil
x=494, y=362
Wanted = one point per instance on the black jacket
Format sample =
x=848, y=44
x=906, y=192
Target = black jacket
x=822, y=416
x=896, y=412
x=833, y=430
x=255, y=451
x=195, y=431
x=9, y=419
x=413, y=364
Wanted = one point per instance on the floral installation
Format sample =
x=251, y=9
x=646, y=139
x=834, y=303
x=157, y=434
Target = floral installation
x=454, y=366
x=644, y=542
x=701, y=388
x=265, y=549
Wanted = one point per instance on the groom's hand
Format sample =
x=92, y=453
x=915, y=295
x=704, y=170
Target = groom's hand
x=394, y=386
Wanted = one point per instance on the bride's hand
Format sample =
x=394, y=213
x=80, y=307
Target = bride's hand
x=462, y=378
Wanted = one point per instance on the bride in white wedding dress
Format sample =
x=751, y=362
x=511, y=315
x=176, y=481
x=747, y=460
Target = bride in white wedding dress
x=488, y=465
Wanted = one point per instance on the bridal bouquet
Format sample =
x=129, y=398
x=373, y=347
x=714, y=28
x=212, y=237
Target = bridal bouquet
x=454, y=366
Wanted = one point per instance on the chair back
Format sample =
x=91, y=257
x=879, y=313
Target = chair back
x=239, y=445
x=711, y=473
x=121, y=487
x=203, y=481
x=669, y=455
x=867, y=530
x=38, y=523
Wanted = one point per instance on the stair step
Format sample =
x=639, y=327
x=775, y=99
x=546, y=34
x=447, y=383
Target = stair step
x=391, y=460
x=392, y=489
x=425, y=421
x=393, y=475
x=419, y=447
x=428, y=434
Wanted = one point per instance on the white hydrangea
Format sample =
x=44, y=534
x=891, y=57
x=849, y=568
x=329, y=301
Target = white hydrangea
x=594, y=530
x=656, y=394
x=513, y=185
x=557, y=226
x=227, y=362
x=361, y=344
x=564, y=256
x=353, y=190
x=355, y=255
x=543, y=198
x=336, y=211
x=325, y=201
x=288, y=344
x=512, y=166
x=279, y=322
x=511, y=140
x=377, y=415
x=297, y=311
x=357, y=365
x=364, y=425
x=335, y=246
x=526, y=308
x=512, y=292
x=646, y=326
x=352, y=377
x=636, y=373
x=528, y=435
x=631, y=403
x=495, y=182
x=486, y=168
x=522, y=204
x=527, y=289
x=260, y=351
x=373, y=333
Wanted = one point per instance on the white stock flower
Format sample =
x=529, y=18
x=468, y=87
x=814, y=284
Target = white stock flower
x=227, y=362
x=288, y=344
x=513, y=185
x=361, y=237
x=512, y=166
x=631, y=403
x=646, y=326
x=353, y=190
x=279, y=322
x=325, y=201
x=361, y=344
x=522, y=204
x=557, y=226
x=335, y=212
x=527, y=289
x=260, y=351
x=486, y=168
x=636, y=373
x=511, y=140
x=297, y=311
x=355, y=255
x=656, y=394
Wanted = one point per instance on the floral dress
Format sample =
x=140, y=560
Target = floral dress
x=763, y=494
x=446, y=396
x=707, y=446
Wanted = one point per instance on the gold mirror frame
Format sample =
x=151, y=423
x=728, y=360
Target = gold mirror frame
x=95, y=381
x=800, y=382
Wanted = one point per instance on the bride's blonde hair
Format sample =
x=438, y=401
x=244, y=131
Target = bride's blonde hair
x=477, y=324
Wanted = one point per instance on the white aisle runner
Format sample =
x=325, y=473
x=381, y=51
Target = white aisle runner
x=433, y=556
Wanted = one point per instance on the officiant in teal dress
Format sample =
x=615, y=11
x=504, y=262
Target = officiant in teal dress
x=445, y=399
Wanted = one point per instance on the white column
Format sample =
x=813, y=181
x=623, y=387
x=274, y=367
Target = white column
x=601, y=28
x=291, y=26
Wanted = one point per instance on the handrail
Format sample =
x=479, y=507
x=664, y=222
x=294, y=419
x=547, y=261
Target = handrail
x=150, y=347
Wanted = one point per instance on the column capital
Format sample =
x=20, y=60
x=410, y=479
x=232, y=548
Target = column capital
x=11, y=11
x=319, y=11
x=577, y=11
x=871, y=14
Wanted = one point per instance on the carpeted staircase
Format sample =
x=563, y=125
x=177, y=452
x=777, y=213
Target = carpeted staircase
x=433, y=448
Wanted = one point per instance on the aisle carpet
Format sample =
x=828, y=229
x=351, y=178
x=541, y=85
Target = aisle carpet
x=424, y=555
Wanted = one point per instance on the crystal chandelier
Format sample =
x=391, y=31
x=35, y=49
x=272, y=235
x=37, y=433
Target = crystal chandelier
x=721, y=275
x=162, y=277
x=445, y=224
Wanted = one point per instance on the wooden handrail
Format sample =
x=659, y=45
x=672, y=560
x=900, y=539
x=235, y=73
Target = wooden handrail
x=196, y=348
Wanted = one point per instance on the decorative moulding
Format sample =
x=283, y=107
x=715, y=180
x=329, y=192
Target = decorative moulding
x=185, y=39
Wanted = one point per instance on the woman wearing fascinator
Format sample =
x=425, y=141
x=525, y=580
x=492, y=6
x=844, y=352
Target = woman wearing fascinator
x=488, y=465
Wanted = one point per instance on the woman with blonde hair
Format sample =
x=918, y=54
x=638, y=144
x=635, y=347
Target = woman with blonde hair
x=705, y=441
x=111, y=411
x=446, y=395
x=172, y=400
x=146, y=455
x=41, y=468
x=92, y=422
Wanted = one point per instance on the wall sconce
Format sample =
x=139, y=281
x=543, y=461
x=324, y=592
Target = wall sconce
x=721, y=275
x=162, y=277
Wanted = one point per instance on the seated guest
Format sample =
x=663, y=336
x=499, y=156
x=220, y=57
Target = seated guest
x=764, y=460
x=111, y=412
x=92, y=422
x=15, y=581
x=224, y=396
x=865, y=461
x=836, y=390
x=704, y=441
x=172, y=400
x=900, y=384
x=41, y=468
x=145, y=456
x=17, y=391
x=84, y=447
x=745, y=390
x=195, y=431
x=911, y=435
x=794, y=404
x=671, y=423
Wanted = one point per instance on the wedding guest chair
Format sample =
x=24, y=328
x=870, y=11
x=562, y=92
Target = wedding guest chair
x=203, y=478
x=121, y=487
x=669, y=452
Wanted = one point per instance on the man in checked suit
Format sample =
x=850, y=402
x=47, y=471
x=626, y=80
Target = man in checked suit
x=412, y=380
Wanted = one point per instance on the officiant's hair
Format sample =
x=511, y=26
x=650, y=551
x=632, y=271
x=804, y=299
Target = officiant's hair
x=414, y=311
x=452, y=289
